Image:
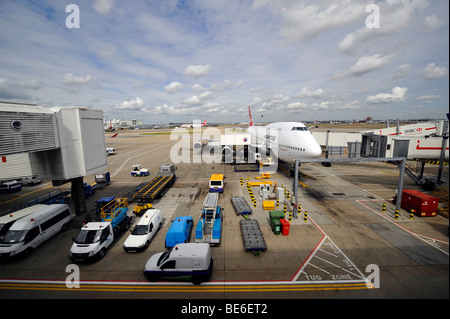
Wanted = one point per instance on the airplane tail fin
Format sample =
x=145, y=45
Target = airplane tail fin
x=204, y=123
x=250, y=114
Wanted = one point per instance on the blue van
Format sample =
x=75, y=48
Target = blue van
x=179, y=232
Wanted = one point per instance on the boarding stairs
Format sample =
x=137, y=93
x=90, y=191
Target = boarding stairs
x=208, y=223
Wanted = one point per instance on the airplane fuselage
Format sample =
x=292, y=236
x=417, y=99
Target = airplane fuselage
x=289, y=140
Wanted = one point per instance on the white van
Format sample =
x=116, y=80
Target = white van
x=6, y=221
x=186, y=260
x=29, y=232
x=143, y=232
x=30, y=180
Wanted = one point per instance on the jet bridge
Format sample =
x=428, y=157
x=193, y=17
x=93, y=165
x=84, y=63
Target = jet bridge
x=60, y=144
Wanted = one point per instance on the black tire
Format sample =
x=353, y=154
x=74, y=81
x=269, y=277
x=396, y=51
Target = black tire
x=28, y=252
x=102, y=253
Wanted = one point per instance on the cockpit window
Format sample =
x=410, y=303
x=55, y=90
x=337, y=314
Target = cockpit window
x=299, y=128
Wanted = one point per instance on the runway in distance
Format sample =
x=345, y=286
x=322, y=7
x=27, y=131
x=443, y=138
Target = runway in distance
x=292, y=139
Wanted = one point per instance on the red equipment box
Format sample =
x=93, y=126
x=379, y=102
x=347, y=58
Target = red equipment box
x=423, y=204
x=284, y=226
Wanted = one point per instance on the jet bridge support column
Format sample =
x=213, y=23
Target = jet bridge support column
x=78, y=197
x=400, y=184
x=442, y=158
x=295, y=188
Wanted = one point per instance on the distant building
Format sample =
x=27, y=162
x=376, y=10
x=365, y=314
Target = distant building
x=115, y=124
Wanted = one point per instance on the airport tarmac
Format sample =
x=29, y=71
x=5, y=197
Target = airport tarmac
x=346, y=248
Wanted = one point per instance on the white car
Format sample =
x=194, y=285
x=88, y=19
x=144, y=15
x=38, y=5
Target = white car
x=143, y=232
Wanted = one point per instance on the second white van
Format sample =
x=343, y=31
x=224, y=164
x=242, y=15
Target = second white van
x=27, y=233
x=143, y=232
x=6, y=221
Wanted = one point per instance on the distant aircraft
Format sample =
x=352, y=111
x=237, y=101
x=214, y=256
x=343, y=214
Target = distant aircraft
x=193, y=125
x=295, y=141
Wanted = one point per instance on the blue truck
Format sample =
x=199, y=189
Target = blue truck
x=179, y=232
x=209, y=227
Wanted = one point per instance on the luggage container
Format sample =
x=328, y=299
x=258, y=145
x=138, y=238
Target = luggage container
x=275, y=224
x=423, y=204
x=284, y=226
x=276, y=214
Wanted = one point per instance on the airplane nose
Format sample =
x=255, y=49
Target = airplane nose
x=316, y=151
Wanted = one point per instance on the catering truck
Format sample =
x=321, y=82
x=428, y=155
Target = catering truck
x=95, y=238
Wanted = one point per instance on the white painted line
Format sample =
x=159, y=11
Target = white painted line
x=340, y=267
x=319, y=268
x=327, y=252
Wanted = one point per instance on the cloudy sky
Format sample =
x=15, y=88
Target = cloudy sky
x=179, y=61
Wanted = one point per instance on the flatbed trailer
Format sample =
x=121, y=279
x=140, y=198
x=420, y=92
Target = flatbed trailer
x=240, y=205
x=252, y=236
x=154, y=188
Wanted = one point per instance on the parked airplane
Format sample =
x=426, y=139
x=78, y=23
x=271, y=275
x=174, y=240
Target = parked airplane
x=193, y=125
x=292, y=139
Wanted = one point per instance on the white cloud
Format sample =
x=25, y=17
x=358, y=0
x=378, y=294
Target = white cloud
x=103, y=6
x=70, y=78
x=75, y=83
x=296, y=106
x=433, y=22
x=134, y=104
x=225, y=85
x=434, y=72
x=402, y=71
x=364, y=65
x=398, y=94
x=103, y=48
x=198, y=88
x=303, y=23
x=306, y=93
x=197, y=71
x=10, y=89
x=173, y=87
x=428, y=97
x=394, y=16
x=197, y=99
x=240, y=83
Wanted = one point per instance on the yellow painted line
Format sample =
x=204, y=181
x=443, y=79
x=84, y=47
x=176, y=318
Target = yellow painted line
x=15, y=198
